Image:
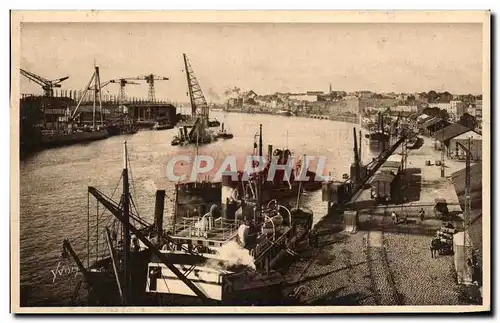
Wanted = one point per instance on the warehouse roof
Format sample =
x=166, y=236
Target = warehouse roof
x=450, y=131
x=434, y=121
x=469, y=134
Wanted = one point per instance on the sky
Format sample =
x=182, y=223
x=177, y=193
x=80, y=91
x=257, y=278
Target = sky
x=266, y=58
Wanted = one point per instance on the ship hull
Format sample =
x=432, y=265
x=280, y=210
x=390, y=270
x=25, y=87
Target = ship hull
x=49, y=141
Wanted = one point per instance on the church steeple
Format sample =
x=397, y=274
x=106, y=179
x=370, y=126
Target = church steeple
x=330, y=88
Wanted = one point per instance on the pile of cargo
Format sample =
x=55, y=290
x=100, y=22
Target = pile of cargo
x=445, y=236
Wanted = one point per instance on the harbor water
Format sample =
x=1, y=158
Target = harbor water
x=54, y=182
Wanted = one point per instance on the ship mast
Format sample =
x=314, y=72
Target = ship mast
x=126, y=226
x=96, y=98
x=259, y=177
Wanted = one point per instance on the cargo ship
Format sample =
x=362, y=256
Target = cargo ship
x=229, y=238
x=230, y=256
x=226, y=256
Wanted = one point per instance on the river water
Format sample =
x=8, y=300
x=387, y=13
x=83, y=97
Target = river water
x=54, y=185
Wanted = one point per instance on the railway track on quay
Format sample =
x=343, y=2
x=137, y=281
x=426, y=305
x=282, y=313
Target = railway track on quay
x=382, y=282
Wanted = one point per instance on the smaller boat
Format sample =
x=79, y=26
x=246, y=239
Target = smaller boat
x=162, y=126
x=176, y=141
x=213, y=123
x=186, y=138
x=223, y=134
x=285, y=113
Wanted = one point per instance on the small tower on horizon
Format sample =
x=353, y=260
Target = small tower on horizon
x=330, y=88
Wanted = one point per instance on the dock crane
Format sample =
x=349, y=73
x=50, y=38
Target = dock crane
x=150, y=79
x=95, y=81
x=467, y=208
x=123, y=82
x=199, y=106
x=47, y=85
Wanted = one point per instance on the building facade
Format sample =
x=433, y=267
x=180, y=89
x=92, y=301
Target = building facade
x=455, y=109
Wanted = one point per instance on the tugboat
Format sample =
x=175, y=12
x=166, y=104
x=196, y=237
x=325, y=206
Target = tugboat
x=197, y=135
x=207, y=193
x=223, y=134
x=280, y=186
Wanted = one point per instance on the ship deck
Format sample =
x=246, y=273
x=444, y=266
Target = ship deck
x=221, y=230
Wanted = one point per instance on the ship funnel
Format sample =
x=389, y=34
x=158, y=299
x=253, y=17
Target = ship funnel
x=229, y=195
x=159, y=208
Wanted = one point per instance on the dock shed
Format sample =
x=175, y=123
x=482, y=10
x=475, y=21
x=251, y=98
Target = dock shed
x=429, y=127
x=445, y=134
x=476, y=145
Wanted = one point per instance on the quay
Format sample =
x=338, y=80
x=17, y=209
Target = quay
x=376, y=262
x=349, y=119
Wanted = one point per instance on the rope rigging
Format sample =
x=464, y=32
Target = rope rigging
x=105, y=220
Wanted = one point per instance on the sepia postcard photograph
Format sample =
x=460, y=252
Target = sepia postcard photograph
x=250, y=161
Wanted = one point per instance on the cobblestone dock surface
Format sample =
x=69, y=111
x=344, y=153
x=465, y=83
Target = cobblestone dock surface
x=420, y=279
x=385, y=263
x=337, y=273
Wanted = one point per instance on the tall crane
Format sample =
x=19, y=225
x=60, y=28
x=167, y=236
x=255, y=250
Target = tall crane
x=47, y=85
x=150, y=79
x=467, y=209
x=122, y=82
x=199, y=106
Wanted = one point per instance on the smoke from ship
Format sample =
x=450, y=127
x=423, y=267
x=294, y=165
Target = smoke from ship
x=235, y=255
x=213, y=94
x=233, y=92
x=231, y=256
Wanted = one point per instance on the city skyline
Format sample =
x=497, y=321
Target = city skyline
x=266, y=58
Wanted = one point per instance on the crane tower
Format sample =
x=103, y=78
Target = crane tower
x=47, y=85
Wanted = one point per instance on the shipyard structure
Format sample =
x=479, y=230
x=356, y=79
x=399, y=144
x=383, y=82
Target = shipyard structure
x=66, y=117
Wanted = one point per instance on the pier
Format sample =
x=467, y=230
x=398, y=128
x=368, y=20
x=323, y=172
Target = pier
x=378, y=262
